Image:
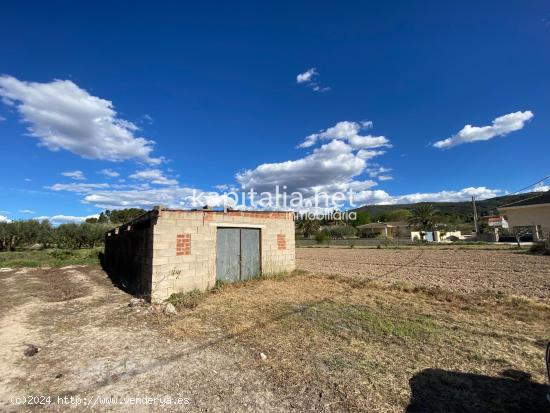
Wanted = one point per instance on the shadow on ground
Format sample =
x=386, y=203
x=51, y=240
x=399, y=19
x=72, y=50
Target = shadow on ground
x=434, y=390
x=117, y=280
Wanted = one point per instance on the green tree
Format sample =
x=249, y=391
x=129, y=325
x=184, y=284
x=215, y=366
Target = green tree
x=308, y=227
x=340, y=231
x=423, y=217
x=361, y=218
x=397, y=215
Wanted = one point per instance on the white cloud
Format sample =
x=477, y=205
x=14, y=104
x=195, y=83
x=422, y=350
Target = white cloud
x=77, y=175
x=109, y=173
x=27, y=211
x=65, y=219
x=385, y=177
x=4, y=219
x=335, y=166
x=309, y=78
x=501, y=126
x=380, y=197
x=378, y=171
x=27, y=179
x=349, y=132
x=2, y=118
x=331, y=163
x=61, y=115
x=541, y=187
x=78, y=188
x=174, y=197
x=154, y=176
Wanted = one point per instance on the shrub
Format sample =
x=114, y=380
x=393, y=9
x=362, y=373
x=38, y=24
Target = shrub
x=186, y=300
x=61, y=254
x=341, y=231
x=322, y=237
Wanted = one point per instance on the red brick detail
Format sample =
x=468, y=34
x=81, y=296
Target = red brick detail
x=183, y=244
x=281, y=241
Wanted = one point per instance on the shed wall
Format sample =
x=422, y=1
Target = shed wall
x=181, y=266
x=128, y=256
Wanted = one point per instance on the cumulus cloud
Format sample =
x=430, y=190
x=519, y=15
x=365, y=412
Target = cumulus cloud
x=61, y=115
x=350, y=133
x=4, y=218
x=77, y=175
x=310, y=79
x=336, y=164
x=500, y=126
x=109, y=173
x=331, y=163
x=27, y=211
x=65, y=219
x=154, y=176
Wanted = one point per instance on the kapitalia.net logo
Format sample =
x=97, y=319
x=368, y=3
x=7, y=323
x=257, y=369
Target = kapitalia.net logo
x=310, y=205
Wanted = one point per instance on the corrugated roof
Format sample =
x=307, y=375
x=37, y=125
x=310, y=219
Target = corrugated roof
x=535, y=200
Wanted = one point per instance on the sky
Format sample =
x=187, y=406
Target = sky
x=109, y=105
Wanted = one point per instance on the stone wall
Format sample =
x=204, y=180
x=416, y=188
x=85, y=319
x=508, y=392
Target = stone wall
x=184, y=248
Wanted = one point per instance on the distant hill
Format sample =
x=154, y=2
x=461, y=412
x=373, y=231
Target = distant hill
x=463, y=209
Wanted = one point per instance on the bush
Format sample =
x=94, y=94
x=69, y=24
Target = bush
x=61, y=254
x=322, y=237
x=341, y=231
x=189, y=300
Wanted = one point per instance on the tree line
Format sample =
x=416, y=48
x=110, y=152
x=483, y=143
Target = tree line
x=42, y=234
x=424, y=217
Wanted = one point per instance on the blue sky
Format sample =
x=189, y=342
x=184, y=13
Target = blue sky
x=86, y=88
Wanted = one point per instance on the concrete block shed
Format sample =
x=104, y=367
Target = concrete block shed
x=169, y=251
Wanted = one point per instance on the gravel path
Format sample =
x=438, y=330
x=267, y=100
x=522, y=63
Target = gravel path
x=470, y=270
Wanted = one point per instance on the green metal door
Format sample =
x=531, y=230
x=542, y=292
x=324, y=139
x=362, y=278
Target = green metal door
x=228, y=254
x=250, y=253
x=237, y=254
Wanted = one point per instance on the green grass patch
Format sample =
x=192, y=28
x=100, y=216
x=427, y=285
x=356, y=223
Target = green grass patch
x=359, y=322
x=49, y=257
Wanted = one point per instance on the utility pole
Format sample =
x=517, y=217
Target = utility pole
x=475, y=214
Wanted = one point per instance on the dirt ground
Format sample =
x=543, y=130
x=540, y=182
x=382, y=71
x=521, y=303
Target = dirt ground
x=91, y=344
x=462, y=270
x=306, y=342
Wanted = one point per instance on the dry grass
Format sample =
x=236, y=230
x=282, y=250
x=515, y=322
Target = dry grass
x=341, y=343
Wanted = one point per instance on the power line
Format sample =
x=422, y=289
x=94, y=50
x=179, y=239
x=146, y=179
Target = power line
x=538, y=182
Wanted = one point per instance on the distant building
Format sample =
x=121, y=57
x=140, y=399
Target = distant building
x=496, y=221
x=436, y=236
x=529, y=216
x=396, y=229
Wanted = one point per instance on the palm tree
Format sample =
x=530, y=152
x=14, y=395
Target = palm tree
x=423, y=217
